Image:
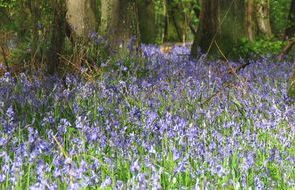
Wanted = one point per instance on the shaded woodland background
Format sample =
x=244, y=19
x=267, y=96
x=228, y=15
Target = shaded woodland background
x=61, y=35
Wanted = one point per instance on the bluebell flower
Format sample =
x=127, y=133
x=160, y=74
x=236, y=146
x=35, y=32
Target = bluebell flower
x=135, y=167
x=107, y=182
x=63, y=126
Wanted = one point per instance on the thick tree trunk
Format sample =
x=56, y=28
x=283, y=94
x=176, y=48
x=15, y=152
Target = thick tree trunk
x=221, y=27
x=232, y=25
x=81, y=17
x=120, y=24
x=250, y=22
x=147, y=21
x=262, y=13
x=208, y=28
x=109, y=15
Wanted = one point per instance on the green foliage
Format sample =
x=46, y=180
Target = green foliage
x=185, y=13
x=160, y=20
x=258, y=48
x=279, y=10
x=7, y=4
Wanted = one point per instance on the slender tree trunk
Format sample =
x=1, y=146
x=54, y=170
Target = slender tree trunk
x=166, y=20
x=208, y=28
x=57, y=35
x=250, y=22
x=163, y=22
x=34, y=7
x=262, y=13
x=176, y=26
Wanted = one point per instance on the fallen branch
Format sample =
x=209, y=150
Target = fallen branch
x=227, y=84
x=237, y=69
x=286, y=49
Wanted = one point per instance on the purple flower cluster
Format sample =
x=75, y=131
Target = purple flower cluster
x=163, y=131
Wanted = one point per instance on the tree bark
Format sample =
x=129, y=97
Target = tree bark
x=120, y=24
x=34, y=7
x=263, y=21
x=208, y=28
x=250, y=22
x=290, y=30
x=147, y=21
x=221, y=27
x=166, y=20
x=232, y=25
x=57, y=35
x=81, y=17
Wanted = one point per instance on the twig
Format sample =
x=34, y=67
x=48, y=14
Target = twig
x=5, y=59
x=286, y=49
x=225, y=85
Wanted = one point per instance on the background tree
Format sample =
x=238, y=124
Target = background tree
x=221, y=27
x=57, y=35
x=231, y=25
x=263, y=17
x=290, y=30
x=147, y=21
x=207, y=29
x=250, y=20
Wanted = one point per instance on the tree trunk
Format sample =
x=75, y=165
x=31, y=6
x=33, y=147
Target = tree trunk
x=81, y=17
x=120, y=24
x=109, y=11
x=208, y=28
x=262, y=13
x=232, y=25
x=147, y=21
x=290, y=30
x=57, y=35
x=34, y=7
x=250, y=22
x=221, y=27
x=166, y=20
